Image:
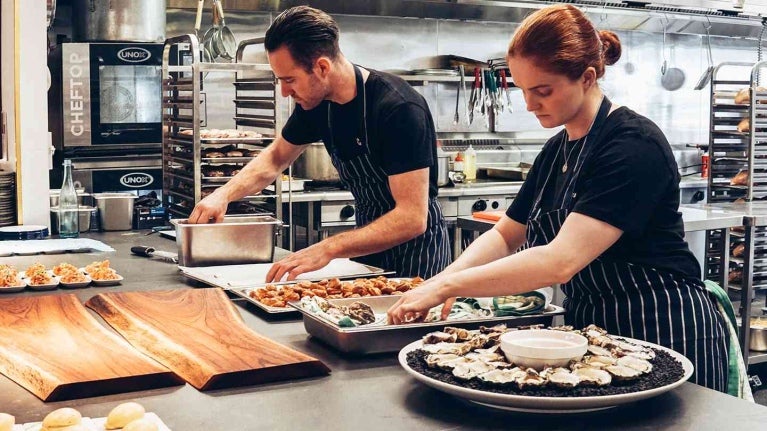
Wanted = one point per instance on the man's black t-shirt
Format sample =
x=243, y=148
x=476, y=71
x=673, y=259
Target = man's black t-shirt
x=400, y=129
x=630, y=180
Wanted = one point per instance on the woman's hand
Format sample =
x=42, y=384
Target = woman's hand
x=416, y=303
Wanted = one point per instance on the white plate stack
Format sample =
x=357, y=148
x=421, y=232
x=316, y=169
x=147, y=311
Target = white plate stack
x=7, y=198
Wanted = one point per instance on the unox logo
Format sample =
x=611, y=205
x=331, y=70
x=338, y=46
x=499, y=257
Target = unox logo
x=134, y=54
x=136, y=179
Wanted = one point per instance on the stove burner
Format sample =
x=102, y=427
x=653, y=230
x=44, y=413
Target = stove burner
x=324, y=186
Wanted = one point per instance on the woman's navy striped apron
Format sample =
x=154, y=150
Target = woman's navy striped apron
x=425, y=255
x=632, y=300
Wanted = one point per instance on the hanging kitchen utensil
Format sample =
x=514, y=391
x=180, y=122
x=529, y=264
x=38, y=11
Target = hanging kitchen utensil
x=706, y=77
x=224, y=40
x=457, y=98
x=462, y=72
x=207, y=37
x=207, y=57
x=474, y=97
x=506, y=91
x=672, y=78
x=629, y=67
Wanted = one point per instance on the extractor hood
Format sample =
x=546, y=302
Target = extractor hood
x=683, y=16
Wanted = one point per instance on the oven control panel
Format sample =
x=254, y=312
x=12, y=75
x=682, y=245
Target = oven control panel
x=471, y=204
x=336, y=213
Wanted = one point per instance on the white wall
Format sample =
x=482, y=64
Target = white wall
x=25, y=100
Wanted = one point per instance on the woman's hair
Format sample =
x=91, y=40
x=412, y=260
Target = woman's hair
x=308, y=34
x=561, y=40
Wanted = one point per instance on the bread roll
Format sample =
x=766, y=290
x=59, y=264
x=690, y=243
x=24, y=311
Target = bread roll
x=744, y=125
x=124, y=414
x=738, y=250
x=7, y=422
x=234, y=153
x=62, y=418
x=214, y=154
x=741, y=179
x=141, y=425
x=743, y=97
x=78, y=427
x=254, y=153
x=735, y=276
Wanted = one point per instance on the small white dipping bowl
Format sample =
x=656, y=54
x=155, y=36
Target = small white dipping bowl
x=542, y=348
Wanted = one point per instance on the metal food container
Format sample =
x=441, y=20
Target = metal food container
x=237, y=240
x=364, y=340
x=115, y=210
x=84, y=217
x=758, y=338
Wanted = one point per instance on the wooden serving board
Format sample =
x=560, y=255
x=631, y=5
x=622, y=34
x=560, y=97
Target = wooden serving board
x=52, y=346
x=199, y=335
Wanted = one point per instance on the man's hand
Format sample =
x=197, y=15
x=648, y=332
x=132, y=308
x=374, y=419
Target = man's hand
x=211, y=208
x=308, y=259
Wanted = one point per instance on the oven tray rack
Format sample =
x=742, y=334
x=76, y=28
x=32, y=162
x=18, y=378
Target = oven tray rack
x=363, y=340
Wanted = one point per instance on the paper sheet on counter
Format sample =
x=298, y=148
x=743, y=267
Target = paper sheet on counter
x=51, y=246
x=236, y=276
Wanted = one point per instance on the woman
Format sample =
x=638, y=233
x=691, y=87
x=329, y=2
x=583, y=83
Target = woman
x=598, y=212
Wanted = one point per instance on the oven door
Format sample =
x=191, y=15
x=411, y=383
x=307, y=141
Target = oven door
x=112, y=94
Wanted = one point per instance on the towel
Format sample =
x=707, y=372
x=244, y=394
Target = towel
x=520, y=305
x=737, y=384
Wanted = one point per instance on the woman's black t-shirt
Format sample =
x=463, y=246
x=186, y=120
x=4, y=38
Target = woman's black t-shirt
x=630, y=180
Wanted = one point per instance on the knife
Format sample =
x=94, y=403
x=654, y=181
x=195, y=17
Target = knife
x=142, y=250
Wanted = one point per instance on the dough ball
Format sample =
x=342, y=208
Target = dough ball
x=62, y=418
x=124, y=414
x=7, y=422
x=141, y=425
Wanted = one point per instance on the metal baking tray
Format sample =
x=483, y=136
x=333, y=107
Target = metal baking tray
x=364, y=340
x=245, y=293
x=244, y=276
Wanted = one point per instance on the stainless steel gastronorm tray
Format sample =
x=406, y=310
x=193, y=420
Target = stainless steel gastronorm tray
x=362, y=340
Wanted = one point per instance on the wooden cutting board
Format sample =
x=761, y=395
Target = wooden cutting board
x=52, y=346
x=199, y=335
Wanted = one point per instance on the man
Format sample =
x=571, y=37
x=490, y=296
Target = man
x=380, y=135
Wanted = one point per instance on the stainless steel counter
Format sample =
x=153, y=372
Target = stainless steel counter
x=448, y=192
x=371, y=393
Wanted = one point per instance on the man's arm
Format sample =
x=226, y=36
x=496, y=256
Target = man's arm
x=407, y=220
x=254, y=177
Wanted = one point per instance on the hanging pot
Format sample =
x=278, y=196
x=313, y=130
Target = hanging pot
x=119, y=20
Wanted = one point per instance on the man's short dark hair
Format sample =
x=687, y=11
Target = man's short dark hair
x=308, y=34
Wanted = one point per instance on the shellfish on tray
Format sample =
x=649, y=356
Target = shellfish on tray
x=475, y=354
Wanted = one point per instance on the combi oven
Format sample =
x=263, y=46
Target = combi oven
x=110, y=95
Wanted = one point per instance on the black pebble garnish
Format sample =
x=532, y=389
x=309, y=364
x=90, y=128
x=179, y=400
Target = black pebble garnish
x=666, y=370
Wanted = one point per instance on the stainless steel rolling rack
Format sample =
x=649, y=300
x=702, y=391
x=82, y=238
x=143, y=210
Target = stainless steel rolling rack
x=196, y=162
x=729, y=151
x=738, y=145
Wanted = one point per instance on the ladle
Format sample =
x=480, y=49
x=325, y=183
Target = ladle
x=672, y=78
